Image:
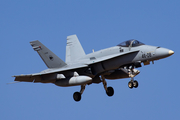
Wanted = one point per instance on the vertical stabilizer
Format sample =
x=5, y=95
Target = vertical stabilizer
x=74, y=49
x=49, y=58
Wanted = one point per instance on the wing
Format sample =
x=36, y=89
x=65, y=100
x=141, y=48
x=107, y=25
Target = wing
x=74, y=49
x=47, y=76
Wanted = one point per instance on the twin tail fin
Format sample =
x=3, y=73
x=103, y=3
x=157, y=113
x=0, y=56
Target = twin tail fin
x=49, y=58
x=74, y=50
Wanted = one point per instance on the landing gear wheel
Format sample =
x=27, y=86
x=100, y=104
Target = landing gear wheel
x=135, y=84
x=77, y=96
x=110, y=91
x=130, y=85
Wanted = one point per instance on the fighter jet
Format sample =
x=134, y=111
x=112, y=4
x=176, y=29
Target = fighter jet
x=80, y=69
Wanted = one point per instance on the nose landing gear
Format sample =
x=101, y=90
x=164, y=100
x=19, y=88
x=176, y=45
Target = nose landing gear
x=132, y=73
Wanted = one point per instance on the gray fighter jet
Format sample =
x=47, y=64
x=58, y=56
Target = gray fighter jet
x=80, y=69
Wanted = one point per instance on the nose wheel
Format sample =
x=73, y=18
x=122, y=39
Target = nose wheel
x=132, y=84
x=135, y=84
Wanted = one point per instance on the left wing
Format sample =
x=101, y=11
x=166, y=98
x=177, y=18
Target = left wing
x=46, y=76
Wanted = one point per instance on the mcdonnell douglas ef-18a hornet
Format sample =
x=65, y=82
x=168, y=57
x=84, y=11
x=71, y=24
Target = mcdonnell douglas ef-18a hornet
x=80, y=69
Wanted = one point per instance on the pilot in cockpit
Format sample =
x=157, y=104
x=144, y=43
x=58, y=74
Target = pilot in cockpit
x=128, y=43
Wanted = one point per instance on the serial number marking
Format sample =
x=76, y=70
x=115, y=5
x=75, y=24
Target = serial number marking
x=148, y=55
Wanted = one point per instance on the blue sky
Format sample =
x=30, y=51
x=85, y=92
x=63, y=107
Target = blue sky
x=98, y=25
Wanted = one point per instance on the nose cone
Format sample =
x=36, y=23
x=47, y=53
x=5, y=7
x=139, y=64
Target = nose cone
x=171, y=52
x=163, y=53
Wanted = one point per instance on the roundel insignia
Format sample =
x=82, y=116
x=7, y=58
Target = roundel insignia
x=51, y=57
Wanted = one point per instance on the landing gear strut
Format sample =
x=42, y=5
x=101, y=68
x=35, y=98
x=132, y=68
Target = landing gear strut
x=77, y=95
x=109, y=90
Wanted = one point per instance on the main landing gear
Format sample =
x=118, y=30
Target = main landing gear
x=109, y=90
x=77, y=95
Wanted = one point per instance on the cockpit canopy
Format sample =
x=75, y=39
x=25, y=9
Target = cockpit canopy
x=130, y=43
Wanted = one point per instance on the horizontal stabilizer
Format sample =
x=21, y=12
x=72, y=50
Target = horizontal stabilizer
x=24, y=78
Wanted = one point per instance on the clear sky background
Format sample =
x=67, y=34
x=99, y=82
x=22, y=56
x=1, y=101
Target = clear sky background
x=98, y=24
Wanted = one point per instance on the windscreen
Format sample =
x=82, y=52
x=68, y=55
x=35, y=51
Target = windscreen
x=132, y=43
